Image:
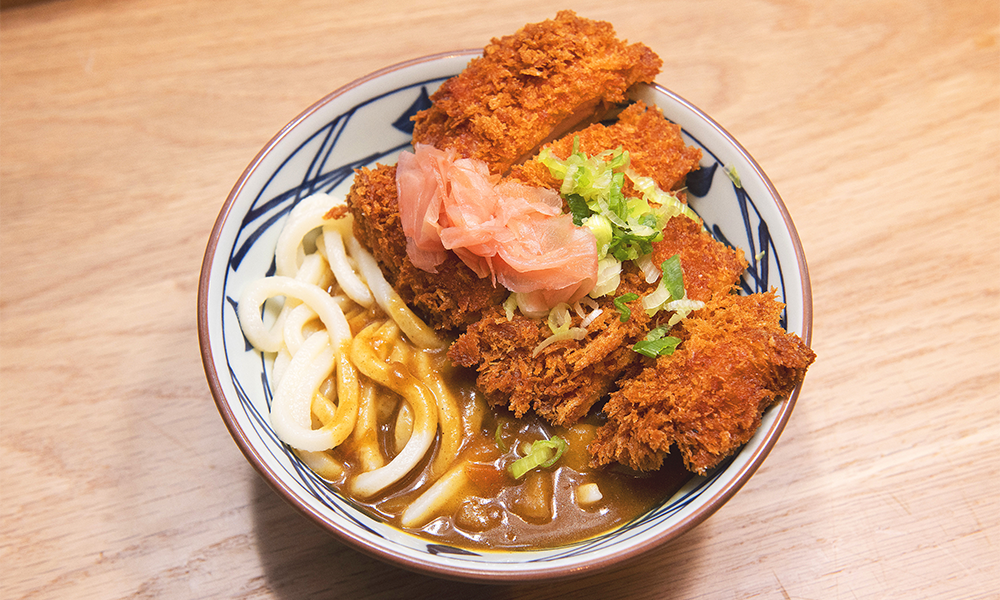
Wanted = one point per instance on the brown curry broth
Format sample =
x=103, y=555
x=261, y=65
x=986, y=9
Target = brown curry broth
x=626, y=495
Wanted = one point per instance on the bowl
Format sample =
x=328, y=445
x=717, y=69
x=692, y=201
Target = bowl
x=368, y=121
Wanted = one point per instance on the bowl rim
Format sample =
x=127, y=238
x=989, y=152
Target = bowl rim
x=480, y=572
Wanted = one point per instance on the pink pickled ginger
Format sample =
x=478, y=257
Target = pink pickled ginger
x=513, y=232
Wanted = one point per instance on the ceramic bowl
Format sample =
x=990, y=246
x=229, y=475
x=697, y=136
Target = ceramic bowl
x=369, y=121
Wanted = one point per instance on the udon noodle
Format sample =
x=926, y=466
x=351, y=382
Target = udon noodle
x=323, y=372
x=365, y=395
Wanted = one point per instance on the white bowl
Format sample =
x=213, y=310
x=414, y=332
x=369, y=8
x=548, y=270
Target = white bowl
x=368, y=121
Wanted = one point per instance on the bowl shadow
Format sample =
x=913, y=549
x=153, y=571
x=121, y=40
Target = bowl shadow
x=301, y=560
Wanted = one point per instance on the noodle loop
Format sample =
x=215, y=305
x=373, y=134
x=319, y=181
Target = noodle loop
x=336, y=379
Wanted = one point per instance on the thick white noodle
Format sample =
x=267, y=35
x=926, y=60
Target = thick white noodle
x=585, y=323
x=312, y=270
x=333, y=245
x=421, y=510
x=306, y=355
x=425, y=417
x=281, y=361
x=322, y=464
x=404, y=426
x=370, y=483
x=449, y=414
x=311, y=363
x=291, y=414
x=390, y=302
x=306, y=216
x=366, y=430
x=293, y=331
x=270, y=340
x=291, y=407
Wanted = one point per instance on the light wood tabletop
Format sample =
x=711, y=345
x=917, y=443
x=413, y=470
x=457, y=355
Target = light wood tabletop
x=125, y=123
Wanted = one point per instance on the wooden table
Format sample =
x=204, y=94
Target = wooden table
x=126, y=122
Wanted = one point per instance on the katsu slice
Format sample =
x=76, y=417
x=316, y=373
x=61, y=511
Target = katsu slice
x=563, y=381
x=448, y=300
x=532, y=87
x=655, y=146
x=707, y=398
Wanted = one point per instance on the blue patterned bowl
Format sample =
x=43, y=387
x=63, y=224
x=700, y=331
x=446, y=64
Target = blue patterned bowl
x=368, y=121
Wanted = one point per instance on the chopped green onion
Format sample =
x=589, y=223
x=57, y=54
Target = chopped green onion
x=604, y=233
x=625, y=311
x=733, y=176
x=543, y=454
x=670, y=294
x=657, y=343
x=653, y=348
x=496, y=434
x=682, y=308
x=609, y=272
x=559, y=319
x=669, y=204
x=657, y=333
x=593, y=188
x=509, y=306
x=649, y=270
x=673, y=277
x=578, y=208
x=620, y=159
x=655, y=300
x=570, y=333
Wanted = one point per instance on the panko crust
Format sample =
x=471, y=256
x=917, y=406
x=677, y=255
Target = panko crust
x=531, y=87
x=707, y=398
x=710, y=267
x=566, y=378
x=735, y=360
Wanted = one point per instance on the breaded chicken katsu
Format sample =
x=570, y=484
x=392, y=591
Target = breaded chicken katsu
x=532, y=87
x=514, y=130
x=563, y=381
x=708, y=396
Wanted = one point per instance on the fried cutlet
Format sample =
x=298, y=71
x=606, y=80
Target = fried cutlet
x=655, y=146
x=706, y=398
x=448, y=300
x=566, y=379
x=531, y=87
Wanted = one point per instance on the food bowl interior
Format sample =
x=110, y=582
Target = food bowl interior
x=369, y=121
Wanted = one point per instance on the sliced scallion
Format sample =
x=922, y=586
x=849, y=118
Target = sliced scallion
x=578, y=208
x=623, y=308
x=657, y=343
x=499, y=438
x=673, y=277
x=543, y=454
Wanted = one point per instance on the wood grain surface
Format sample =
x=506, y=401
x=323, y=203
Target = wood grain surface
x=124, y=124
